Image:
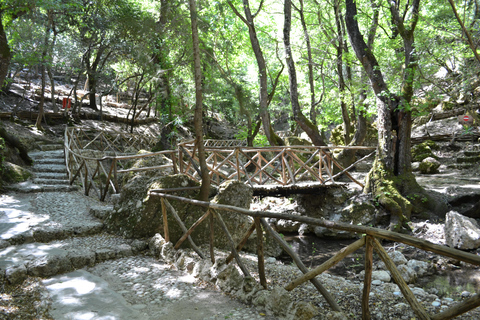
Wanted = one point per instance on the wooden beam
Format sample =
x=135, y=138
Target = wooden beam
x=242, y=243
x=232, y=243
x=397, y=277
x=327, y=264
x=331, y=301
x=367, y=281
x=380, y=233
x=182, y=226
x=459, y=309
x=191, y=229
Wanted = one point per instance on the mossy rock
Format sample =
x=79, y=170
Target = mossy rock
x=429, y=166
x=13, y=173
x=424, y=150
x=296, y=141
x=151, y=161
x=337, y=138
x=138, y=215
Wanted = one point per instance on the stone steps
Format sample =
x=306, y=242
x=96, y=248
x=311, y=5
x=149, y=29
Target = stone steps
x=46, y=181
x=49, y=171
x=50, y=147
x=60, y=256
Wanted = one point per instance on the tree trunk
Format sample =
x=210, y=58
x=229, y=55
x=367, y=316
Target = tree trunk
x=347, y=156
x=198, y=123
x=38, y=123
x=92, y=89
x=311, y=82
x=5, y=54
x=390, y=180
x=262, y=69
x=341, y=79
x=310, y=129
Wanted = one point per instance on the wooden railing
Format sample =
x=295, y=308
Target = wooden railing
x=97, y=159
x=268, y=165
x=369, y=238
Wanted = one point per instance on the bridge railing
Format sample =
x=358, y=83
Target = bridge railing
x=96, y=159
x=96, y=162
x=268, y=165
x=370, y=239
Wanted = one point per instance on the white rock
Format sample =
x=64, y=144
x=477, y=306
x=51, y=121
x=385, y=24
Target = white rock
x=407, y=273
x=381, y=275
x=420, y=267
x=461, y=232
x=418, y=292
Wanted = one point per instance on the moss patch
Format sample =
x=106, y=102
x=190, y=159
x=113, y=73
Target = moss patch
x=13, y=173
x=424, y=150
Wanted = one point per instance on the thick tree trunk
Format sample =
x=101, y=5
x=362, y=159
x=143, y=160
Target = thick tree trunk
x=390, y=180
x=198, y=123
x=92, y=89
x=5, y=54
x=310, y=129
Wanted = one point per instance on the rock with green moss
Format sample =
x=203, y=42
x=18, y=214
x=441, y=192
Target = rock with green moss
x=423, y=150
x=12, y=173
x=429, y=166
x=137, y=214
x=359, y=211
x=296, y=141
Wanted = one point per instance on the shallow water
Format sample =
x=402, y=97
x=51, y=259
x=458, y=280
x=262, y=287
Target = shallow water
x=313, y=251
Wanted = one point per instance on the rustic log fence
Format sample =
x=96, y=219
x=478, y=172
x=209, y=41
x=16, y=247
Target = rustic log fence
x=96, y=159
x=369, y=238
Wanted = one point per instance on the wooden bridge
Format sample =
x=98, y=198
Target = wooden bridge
x=97, y=159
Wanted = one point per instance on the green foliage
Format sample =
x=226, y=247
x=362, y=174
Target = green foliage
x=260, y=140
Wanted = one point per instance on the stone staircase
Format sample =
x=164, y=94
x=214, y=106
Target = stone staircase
x=49, y=171
x=466, y=159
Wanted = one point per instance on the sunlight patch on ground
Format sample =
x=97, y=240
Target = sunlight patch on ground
x=13, y=222
x=80, y=286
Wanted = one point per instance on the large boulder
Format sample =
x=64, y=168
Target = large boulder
x=239, y=195
x=461, y=232
x=13, y=173
x=138, y=215
x=356, y=210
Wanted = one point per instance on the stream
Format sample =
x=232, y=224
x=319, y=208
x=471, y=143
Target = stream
x=447, y=277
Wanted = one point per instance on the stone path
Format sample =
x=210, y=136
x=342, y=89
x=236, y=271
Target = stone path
x=49, y=230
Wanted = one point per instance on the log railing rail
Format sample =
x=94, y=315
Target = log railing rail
x=267, y=165
x=370, y=238
x=96, y=160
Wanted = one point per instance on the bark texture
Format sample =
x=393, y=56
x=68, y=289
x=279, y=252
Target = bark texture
x=310, y=129
x=390, y=180
x=198, y=122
